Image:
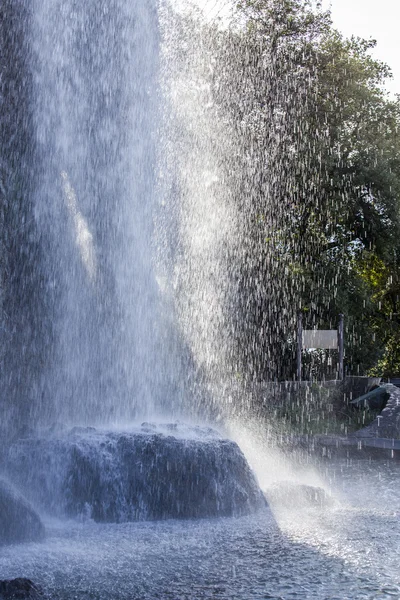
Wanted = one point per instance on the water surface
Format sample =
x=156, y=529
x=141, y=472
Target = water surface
x=349, y=551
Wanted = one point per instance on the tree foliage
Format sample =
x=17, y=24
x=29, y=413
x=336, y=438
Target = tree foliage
x=317, y=178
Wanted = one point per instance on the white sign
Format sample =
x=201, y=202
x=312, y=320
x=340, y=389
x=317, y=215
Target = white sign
x=327, y=339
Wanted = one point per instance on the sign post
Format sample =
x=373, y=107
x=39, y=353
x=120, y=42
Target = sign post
x=326, y=339
x=299, y=344
x=341, y=347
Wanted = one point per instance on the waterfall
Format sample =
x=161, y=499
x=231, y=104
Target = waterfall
x=95, y=117
x=127, y=225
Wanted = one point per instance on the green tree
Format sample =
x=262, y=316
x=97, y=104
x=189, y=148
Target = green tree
x=317, y=181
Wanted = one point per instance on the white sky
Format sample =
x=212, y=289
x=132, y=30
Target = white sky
x=379, y=19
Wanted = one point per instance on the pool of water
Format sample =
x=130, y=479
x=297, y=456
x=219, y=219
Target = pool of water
x=348, y=551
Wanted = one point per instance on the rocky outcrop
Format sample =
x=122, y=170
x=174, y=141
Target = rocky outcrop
x=154, y=473
x=18, y=520
x=19, y=589
x=288, y=494
x=387, y=423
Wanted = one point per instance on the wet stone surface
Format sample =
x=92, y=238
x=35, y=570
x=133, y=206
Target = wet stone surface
x=130, y=476
x=19, y=589
x=294, y=495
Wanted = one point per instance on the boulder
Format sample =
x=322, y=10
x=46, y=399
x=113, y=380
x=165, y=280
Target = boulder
x=157, y=472
x=19, y=589
x=288, y=494
x=18, y=520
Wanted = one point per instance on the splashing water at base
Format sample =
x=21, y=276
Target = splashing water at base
x=338, y=553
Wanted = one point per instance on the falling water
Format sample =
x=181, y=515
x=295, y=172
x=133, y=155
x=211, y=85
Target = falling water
x=152, y=252
x=132, y=220
x=95, y=116
x=197, y=145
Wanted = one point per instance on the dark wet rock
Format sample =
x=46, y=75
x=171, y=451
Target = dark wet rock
x=148, y=426
x=171, y=426
x=287, y=494
x=118, y=477
x=18, y=520
x=387, y=423
x=19, y=589
x=81, y=430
